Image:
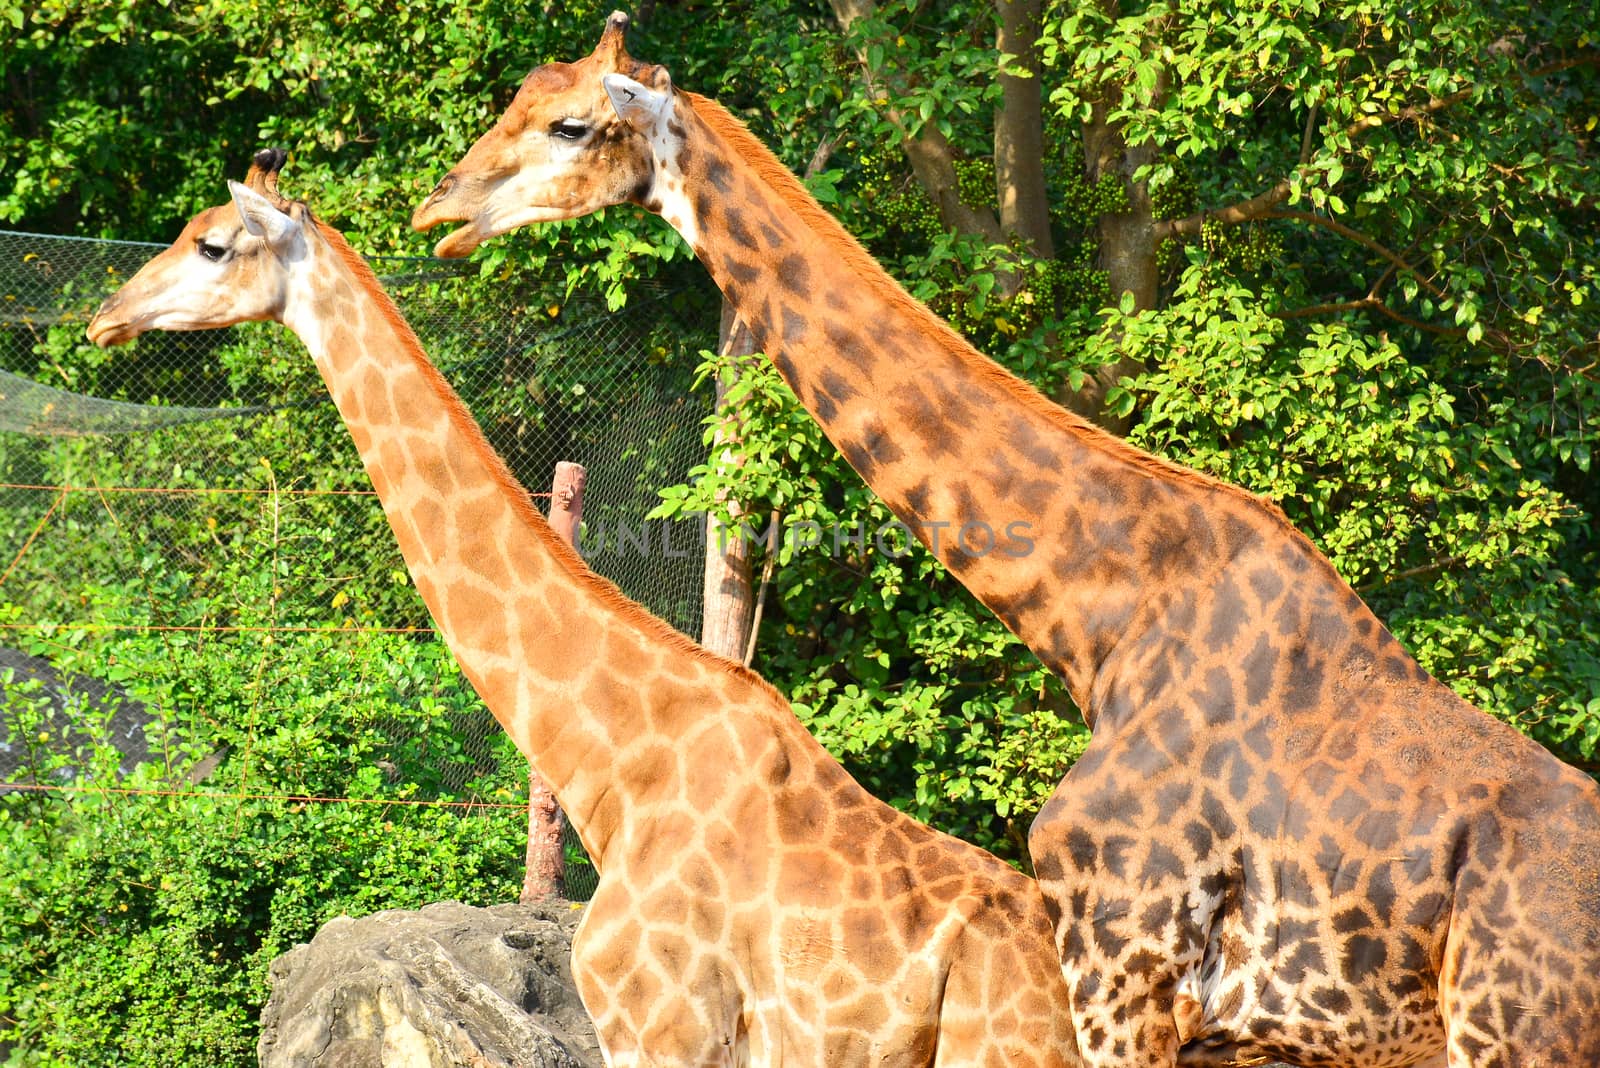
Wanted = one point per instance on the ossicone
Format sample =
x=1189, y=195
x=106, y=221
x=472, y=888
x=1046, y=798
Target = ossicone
x=613, y=41
x=263, y=175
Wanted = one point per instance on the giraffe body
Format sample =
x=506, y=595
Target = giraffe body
x=1285, y=840
x=755, y=904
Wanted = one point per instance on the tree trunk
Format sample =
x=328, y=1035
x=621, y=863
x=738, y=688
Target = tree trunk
x=1127, y=241
x=1019, y=131
x=727, y=602
x=1127, y=253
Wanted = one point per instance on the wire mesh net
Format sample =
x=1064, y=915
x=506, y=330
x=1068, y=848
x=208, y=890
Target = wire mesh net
x=196, y=577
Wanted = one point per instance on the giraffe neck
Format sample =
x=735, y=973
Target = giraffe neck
x=1074, y=538
x=582, y=679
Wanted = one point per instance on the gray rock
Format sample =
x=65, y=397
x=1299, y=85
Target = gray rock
x=77, y=711
x=449, y=985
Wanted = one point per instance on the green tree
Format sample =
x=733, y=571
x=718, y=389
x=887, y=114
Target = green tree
x=1383, y=310
x=122, y=118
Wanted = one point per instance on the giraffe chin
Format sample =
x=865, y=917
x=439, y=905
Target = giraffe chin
x=105, y=334
x=459, y=243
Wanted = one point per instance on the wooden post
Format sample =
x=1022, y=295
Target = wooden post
x=545, y=872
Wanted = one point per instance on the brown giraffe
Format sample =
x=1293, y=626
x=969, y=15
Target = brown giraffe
x=1286, y=840
x=755, y=905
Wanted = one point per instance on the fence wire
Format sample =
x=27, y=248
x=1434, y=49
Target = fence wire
x=196, y=581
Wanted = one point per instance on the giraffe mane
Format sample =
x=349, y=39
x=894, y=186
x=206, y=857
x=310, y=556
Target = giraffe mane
x=593, y=583
x=866, y=268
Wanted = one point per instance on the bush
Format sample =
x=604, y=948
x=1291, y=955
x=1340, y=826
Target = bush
x=137, y=929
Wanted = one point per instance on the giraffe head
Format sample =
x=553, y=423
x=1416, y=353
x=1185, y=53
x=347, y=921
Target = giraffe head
x=228, y=266
x=558, y=152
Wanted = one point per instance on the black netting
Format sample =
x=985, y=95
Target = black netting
x=192, y=564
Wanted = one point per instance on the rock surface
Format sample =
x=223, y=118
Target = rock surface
x=449, y=985
x=66, y=703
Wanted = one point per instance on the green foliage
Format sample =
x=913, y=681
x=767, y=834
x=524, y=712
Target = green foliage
x=1395, y=335
x=1445, y=143
x=137, y=928
x=374, y=101
x=138, y=931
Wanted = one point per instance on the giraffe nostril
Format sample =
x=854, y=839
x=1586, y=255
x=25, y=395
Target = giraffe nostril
x=444, y=187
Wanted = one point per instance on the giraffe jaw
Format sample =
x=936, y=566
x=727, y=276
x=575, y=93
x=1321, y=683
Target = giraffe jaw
x=479, y=228
x=106, y=332
x=459, y=242
x=109, y=327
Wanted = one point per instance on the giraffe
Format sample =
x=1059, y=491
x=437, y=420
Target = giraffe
x=755, y=904
x=1285, y=840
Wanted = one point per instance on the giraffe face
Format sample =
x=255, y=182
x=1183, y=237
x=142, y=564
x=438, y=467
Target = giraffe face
x=558, y=152
x=227, y=266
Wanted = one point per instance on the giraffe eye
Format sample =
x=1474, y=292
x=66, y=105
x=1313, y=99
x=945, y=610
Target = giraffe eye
x=214, y=253
x=569, y=129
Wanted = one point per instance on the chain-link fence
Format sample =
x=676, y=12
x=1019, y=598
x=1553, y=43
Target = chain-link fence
x=193, y=569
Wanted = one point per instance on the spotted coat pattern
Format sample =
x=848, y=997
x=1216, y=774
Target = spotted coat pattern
x=1286, y=840
x=755, y=904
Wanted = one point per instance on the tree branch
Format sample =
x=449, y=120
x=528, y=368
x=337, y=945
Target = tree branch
x=819, y=158
x=1372, y=301
x=761, y=597
x=1372, y=297
x=1444, y=563
x=1306, y=136
x=1590, y=58
x=1259, y=205
x=1445, y=331
x=1327, y=309
x=1418, y=111
x=1389, y=255
x=1244, y=211
x=930, y=153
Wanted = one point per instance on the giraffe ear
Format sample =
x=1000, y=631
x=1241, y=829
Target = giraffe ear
x=655, y=76
x=639, y=106
x=261, y=217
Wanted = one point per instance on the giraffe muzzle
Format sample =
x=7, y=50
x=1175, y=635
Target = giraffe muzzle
x=104, y=329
